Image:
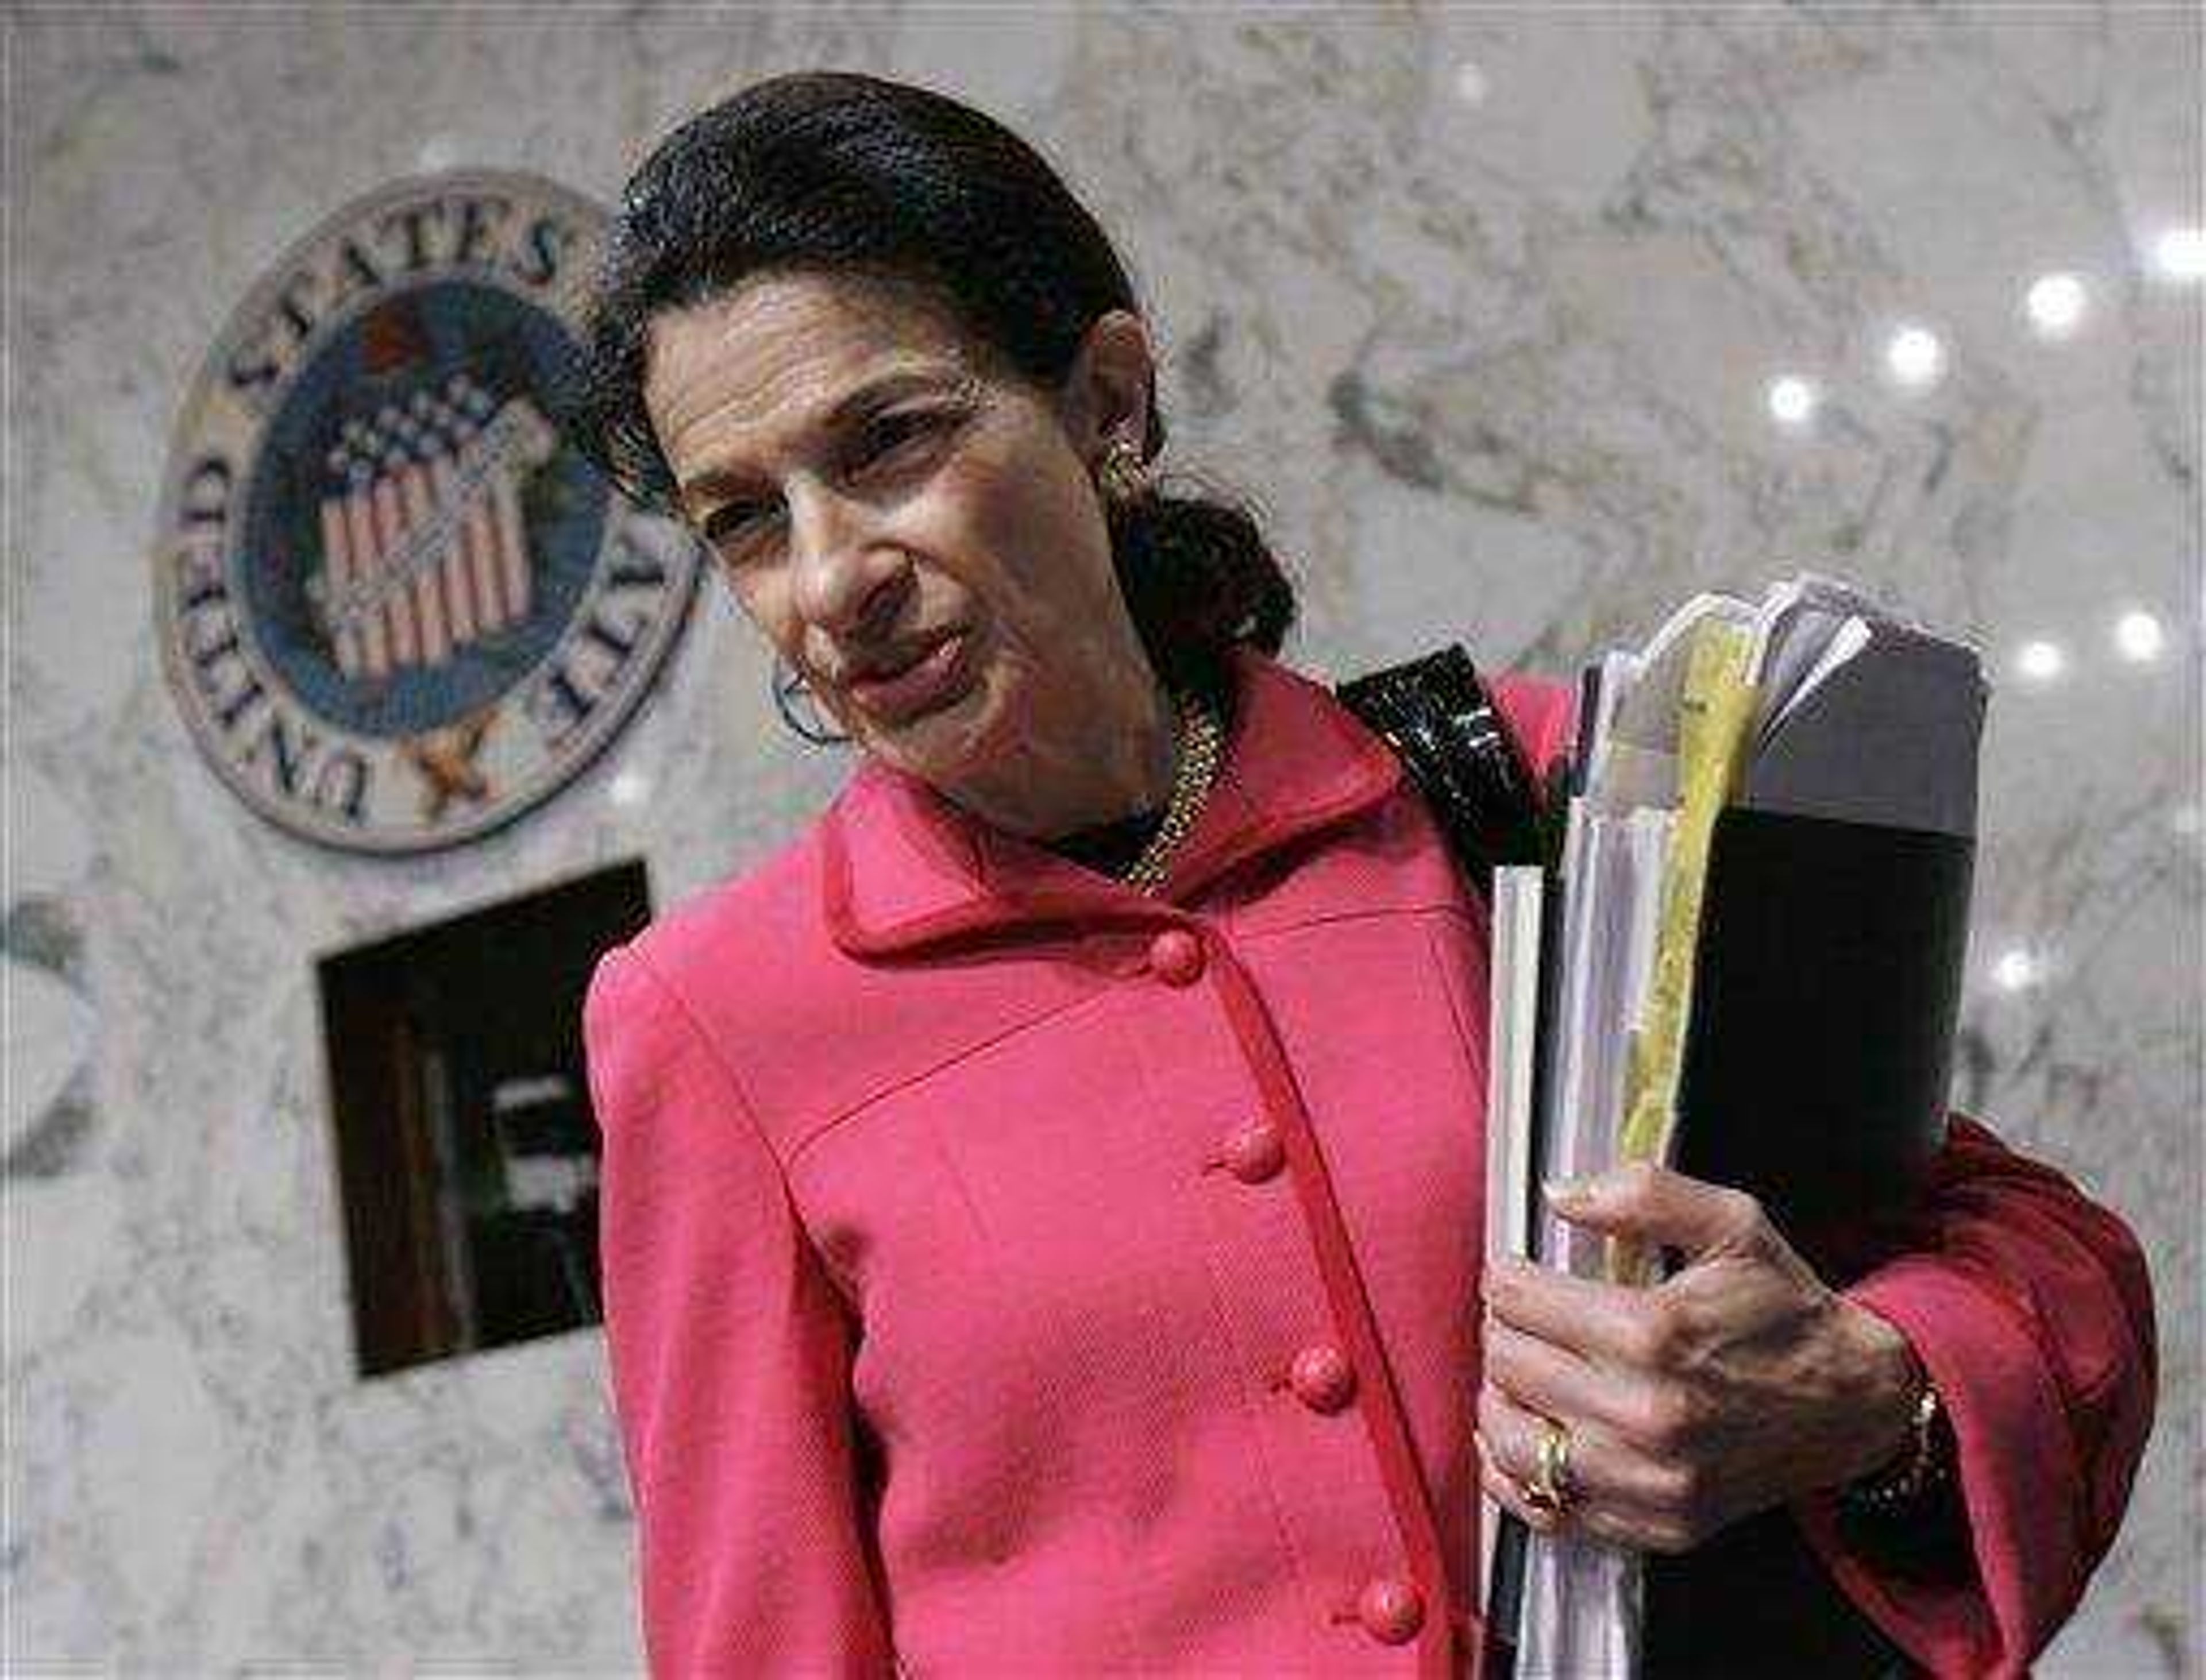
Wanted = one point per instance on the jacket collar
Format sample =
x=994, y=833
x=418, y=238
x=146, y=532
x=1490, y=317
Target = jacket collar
x=906, y=868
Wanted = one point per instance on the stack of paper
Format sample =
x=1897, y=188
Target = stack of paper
x=1745, y=962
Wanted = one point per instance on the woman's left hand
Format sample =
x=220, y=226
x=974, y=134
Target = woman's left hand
x=1737, y=1383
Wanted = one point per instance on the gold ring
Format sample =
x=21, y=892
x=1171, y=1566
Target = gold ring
x=1550, y=1487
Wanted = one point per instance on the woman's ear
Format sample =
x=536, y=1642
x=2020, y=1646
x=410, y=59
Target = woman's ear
x=1106, y=391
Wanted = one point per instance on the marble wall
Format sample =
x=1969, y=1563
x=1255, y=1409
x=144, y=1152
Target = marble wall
x=1486, y=309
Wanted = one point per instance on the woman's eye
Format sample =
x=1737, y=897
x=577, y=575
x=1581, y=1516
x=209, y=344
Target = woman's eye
x=739, y=522
x=730, y=523
x=891, y=432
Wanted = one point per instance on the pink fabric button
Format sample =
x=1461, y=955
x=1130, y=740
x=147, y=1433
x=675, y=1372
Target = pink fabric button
x=1176, y=955
x=1322, y=1377
x=1254, y=1152
x=1392, y=1609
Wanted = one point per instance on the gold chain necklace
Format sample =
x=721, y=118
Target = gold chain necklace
x=1199, y=739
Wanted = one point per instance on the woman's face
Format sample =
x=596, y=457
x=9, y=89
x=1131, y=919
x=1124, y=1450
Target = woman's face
x=877, y=492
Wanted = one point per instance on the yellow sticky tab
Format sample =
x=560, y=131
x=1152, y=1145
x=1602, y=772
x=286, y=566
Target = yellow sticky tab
x=1715, y=711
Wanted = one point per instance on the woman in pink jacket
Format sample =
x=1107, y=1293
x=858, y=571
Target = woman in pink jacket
x=1042, y=1203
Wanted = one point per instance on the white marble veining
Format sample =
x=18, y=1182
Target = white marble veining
x=1483, y=307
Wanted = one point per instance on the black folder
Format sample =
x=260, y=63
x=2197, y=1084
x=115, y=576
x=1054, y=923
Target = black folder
x=1826, y=988
x=1858, y=1047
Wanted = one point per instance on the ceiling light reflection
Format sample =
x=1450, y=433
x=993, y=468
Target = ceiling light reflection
x=2040, y=661
x=1792, y=400
x=1470, y=85
x=2138, y=636
x=2179, y=253
x=2017, y=970
x=2055, y=304
x=628, y=789
x=1915, y=356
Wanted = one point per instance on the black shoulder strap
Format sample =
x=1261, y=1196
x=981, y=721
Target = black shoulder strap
x=1436, y=715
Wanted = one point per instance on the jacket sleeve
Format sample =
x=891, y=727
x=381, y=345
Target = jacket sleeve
x=2031, y=1308
x=729, y=1354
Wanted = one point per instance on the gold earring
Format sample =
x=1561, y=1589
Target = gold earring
x=1123, y=475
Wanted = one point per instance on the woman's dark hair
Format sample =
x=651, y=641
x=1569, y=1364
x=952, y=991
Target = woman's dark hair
x=843, y=174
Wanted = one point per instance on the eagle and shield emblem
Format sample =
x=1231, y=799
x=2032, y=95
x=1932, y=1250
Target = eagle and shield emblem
x=396, y=607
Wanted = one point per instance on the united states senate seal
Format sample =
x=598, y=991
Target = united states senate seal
x=396, y=607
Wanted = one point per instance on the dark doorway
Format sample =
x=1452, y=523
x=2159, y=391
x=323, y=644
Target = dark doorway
x=467, y=1155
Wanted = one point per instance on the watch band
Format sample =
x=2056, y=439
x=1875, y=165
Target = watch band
x=1923, y=1466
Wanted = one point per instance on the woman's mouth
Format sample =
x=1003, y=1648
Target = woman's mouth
x=935, y=678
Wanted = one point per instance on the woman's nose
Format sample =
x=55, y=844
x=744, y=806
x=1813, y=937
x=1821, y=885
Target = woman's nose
x=845, y=584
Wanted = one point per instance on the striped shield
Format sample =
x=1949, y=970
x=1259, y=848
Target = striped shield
x=425, y=549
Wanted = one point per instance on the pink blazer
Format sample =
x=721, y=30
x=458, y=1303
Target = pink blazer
x=1008, y=1273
